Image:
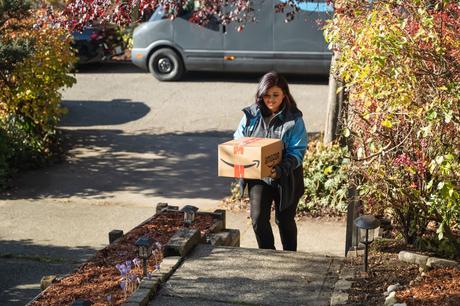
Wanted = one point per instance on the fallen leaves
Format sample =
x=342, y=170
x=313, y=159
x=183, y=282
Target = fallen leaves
x=98, y=280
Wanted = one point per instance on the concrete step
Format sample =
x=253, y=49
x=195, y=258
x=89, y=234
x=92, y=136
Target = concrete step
x=230, y=275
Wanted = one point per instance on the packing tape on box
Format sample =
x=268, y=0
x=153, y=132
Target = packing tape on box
x=238, y=151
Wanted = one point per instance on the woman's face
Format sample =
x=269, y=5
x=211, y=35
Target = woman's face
x=273, y=99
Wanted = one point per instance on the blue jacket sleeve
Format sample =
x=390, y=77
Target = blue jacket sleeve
x=239, y=133
x=296, y=141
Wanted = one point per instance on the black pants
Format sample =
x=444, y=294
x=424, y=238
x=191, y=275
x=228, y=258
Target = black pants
x=261, y=197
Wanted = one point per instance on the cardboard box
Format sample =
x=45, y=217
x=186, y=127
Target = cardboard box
x=249, y=157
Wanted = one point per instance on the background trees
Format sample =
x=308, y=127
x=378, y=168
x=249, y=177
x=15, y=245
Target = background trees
x=80, y=12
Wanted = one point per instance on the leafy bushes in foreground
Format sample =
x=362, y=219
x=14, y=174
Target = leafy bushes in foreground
x=401, y=66
x=35, y=65
x=326, y=180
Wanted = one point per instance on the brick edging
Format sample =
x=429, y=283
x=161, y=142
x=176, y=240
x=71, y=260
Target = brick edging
x=175, y=252
x=342, y=285
x=176, y=249
x=149, y=286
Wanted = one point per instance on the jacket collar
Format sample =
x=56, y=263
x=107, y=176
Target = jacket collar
x=253, y=111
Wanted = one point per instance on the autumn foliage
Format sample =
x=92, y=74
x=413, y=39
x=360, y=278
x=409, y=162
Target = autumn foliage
x=79, y=13
x=35, y=63
x=401, y=63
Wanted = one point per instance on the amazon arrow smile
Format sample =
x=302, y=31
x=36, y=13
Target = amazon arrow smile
x=255, y=163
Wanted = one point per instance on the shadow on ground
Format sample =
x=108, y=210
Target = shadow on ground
x=101, y=162
x=91, y=113
x=202, y=76
x=251, y=277
x=23, y=264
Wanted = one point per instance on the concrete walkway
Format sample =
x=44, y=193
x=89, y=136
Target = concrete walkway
x=39, y=238
x=242, y=276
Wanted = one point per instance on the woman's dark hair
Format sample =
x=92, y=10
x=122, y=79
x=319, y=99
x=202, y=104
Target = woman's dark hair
x=269, y=80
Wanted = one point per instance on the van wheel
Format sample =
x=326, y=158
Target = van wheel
x=166, y=65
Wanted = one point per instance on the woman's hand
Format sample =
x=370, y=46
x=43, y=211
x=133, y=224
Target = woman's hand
x=274, y=174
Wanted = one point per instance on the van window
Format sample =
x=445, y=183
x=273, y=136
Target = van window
x=313, y=6
x=188, y=13
x=158, y=14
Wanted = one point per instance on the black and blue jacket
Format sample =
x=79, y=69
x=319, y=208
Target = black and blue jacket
x=290, y=128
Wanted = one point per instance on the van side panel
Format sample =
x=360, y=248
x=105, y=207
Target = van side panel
x=299, y=45
x=201, y=45
x=252, y=48
x=266, y=44
x=149, y=32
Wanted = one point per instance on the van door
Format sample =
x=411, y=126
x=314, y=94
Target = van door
x=251, y=49
x=299, y=45
x=201, y=45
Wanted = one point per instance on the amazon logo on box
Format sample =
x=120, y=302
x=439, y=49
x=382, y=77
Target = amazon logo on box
x=249, y=157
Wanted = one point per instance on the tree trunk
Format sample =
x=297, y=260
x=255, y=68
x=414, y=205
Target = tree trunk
x=334, y=108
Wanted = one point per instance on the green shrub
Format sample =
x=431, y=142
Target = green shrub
x=403, y=112
x=325, y=178
x=30, y=99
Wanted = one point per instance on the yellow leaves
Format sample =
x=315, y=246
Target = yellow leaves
x=328, y=170
x=442, y=88
x=25, y=95
x=401, y=69
x=367, y=103
x=387, y=124
x=37, y=80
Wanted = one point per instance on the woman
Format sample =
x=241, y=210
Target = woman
x=275, y=115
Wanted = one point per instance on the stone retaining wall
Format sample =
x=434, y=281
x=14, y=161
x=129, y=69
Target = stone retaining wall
x=174, y=252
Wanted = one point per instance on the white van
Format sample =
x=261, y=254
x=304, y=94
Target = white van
x=167, y=48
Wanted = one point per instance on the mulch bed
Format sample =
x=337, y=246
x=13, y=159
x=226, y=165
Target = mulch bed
x=384, y=270
x=98, y=279
x=437, y=287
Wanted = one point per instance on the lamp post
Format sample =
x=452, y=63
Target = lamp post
x=189, y=214
x=145, y=246
x=366, y=225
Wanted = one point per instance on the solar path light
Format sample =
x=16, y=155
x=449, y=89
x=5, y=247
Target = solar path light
x=189, y=214
x=145, y=246
x=366, y=225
